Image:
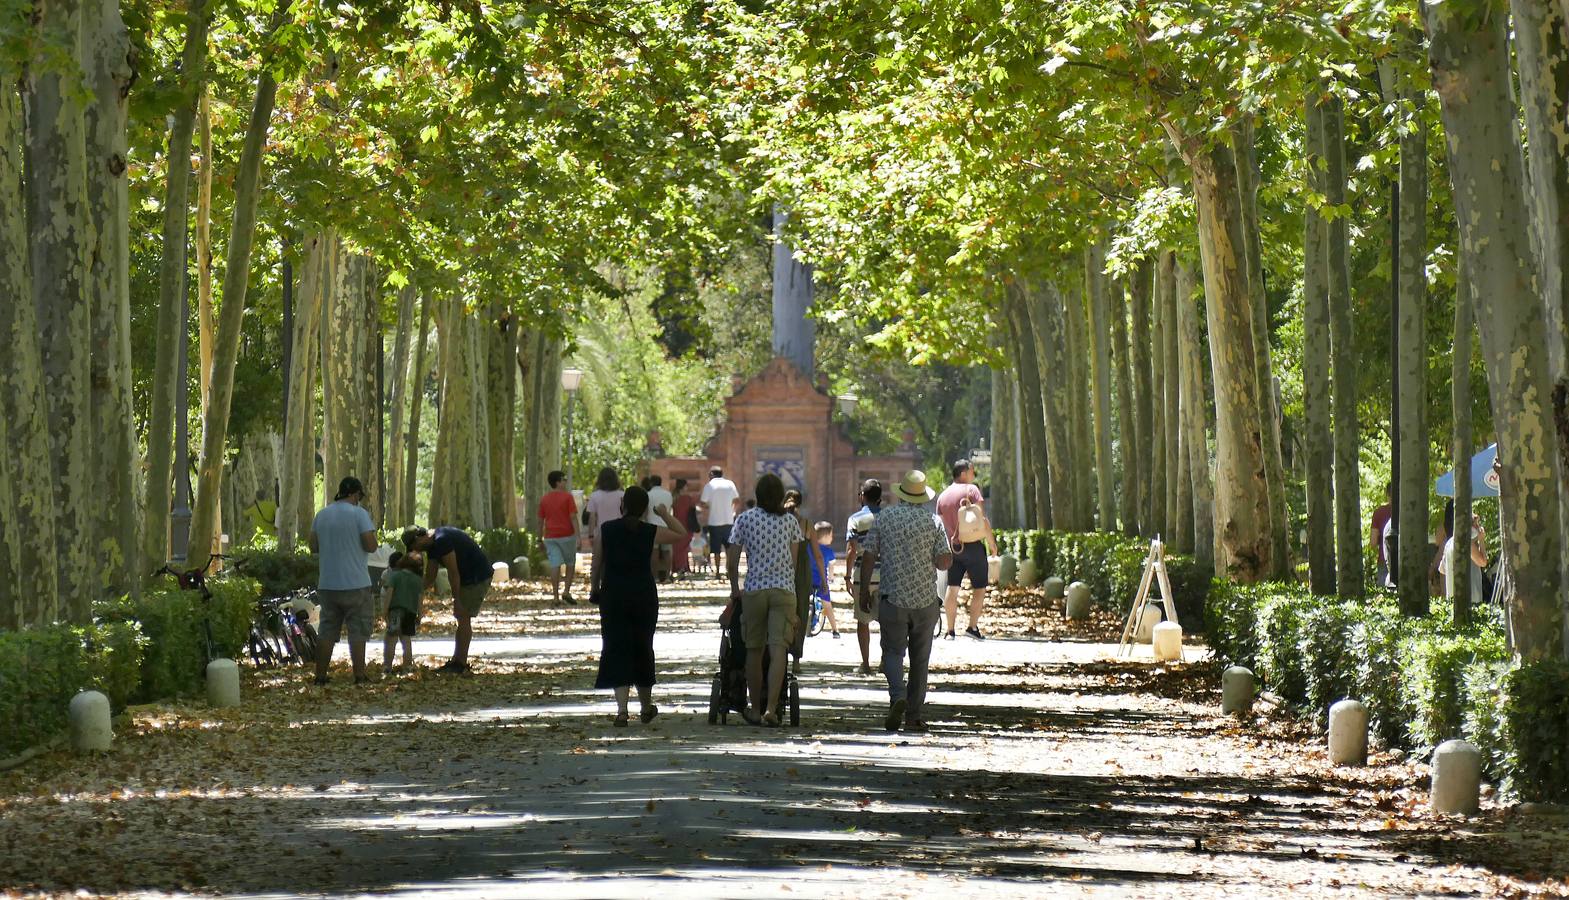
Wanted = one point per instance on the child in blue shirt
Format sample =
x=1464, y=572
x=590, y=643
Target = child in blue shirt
x=823, y=533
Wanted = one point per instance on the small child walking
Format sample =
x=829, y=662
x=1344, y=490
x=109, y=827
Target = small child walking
x=823, y=533
x=403, y=583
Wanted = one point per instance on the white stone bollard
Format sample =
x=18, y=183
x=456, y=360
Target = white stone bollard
x=500, y=572
x=1166, y=640
x=1457, y=778
x=1028, y=574
x=443, y=583
x=1236, y=691
x=1077, y=606
x=90, y=725
x=1149, y=617
x=223, y=683
x=1348, y=733
x=1007, y=571
x=1055, y=589
x=521, y=568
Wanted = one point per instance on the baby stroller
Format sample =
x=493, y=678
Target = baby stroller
x=729, y=691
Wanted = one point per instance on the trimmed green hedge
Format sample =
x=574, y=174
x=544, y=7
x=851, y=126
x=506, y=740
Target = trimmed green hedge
x=138, y=650
x=1111, y=565
x=174, y=663
x=41, y=669
x=1423, y=680
x=507, y=544
x=278, y=572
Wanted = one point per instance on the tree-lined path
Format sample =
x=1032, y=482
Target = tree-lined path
x=1050, y=769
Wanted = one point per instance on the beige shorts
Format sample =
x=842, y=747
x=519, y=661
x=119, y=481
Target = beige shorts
x=767, y=617
x=862, y=617
x=353, y=611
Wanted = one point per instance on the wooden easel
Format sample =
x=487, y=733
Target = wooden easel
x=1154, y=567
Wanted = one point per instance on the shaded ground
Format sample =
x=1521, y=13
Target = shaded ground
x=1051, y=768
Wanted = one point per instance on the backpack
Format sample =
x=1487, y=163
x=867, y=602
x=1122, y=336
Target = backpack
x=972, y=524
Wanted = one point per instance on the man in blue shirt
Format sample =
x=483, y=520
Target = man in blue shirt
x=468, y=574
x=341, y=536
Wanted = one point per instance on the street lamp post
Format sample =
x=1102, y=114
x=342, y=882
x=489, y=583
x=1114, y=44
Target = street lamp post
x=847, y=404
x=571, y=380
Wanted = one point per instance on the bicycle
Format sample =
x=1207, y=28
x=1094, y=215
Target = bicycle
x=815, y=617
x=281, y=633
x=196, y=580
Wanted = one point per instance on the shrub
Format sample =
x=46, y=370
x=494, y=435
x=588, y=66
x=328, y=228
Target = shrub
x=41, y=669
x=507, y=544
x=278, y=572
x=1535, y=726
x=1424, y=680
x=1434, y=665
x=174, y=662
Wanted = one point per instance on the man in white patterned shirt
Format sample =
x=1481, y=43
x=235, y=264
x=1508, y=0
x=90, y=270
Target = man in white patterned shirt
x=912, y=545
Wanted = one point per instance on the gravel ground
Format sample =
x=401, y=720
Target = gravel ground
x=1052, y=768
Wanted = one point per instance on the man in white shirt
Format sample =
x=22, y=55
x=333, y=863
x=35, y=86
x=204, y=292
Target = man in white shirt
x=659, y=496
x=718, y=504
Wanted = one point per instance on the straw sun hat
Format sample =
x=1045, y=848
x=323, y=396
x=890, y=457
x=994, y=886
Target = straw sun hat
x=913, y=489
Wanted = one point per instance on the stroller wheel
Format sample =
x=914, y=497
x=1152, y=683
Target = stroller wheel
x=716, y=702
x=795, y=702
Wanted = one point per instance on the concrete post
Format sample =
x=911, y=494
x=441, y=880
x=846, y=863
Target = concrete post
x=1166, y=640
x=500, y=572
x=90, y=725
x=223, y=683
x=1348, y=733
x=1078, y=603
x=1008, y=571
x=1149, y=617
x=1236, y=691
x=1457, y=778
x=521, y=568
x=1054, y=588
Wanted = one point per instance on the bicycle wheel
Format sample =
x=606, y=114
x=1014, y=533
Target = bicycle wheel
x=256, y=646
x=815, y=622
x=305, y=643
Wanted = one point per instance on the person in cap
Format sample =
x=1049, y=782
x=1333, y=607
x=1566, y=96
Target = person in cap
x=910, y=544
x=468, y=574
x=855, y=531
x=342, y=536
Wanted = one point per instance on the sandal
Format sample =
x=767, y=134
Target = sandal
x=648, y=713
x=620, y=720
x=771, y=719
x=751, y=717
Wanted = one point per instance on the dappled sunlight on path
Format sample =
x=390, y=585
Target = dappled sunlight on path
x=1050, y=768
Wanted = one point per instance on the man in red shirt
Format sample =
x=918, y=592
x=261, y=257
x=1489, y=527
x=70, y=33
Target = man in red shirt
x=558, y=515
x=971, y=536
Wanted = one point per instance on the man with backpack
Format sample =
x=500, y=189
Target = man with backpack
x=960, y=506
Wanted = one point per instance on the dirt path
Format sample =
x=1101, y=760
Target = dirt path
x=1050, y=769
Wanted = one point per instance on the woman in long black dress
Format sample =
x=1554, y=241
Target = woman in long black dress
x=623, y=586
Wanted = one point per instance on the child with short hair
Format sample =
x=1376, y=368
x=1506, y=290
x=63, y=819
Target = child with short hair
x=823, y=533
x=699, y=553
x=403, y=583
